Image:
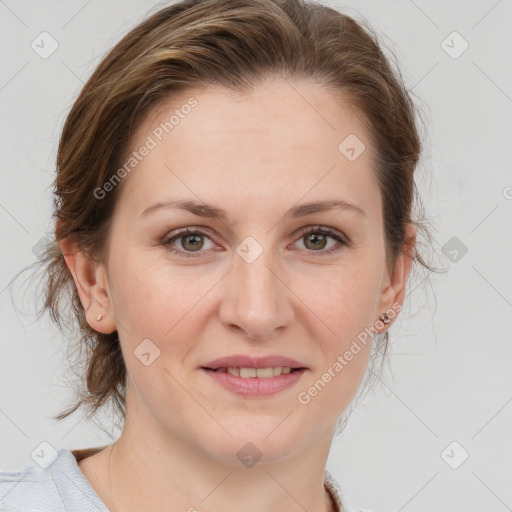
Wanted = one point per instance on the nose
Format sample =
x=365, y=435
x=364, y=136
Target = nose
x=257, y=299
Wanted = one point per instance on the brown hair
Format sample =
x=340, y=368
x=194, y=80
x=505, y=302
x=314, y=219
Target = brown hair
x=192, y=44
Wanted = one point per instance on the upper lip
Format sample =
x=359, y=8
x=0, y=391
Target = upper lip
x=241, y=361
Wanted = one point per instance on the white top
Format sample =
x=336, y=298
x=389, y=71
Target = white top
x=62, y=487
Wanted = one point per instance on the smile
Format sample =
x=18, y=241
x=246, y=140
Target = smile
x=252, y=382
x=261, y=373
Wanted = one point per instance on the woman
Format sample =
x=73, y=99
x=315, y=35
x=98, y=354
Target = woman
x=233, y=216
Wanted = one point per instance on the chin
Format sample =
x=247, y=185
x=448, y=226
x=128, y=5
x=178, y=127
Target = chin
x=253, y=442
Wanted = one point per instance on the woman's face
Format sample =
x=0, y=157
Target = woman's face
x=253, y=282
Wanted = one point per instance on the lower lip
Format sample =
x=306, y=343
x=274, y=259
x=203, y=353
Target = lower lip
x=255, y=386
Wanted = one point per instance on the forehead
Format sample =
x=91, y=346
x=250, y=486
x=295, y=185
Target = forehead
x=281, y=141
x=272, y=109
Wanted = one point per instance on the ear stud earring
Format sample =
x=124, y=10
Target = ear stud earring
x=384, y=318
x=99, y=318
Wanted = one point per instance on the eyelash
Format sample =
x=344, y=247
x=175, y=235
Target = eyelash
x=168, y=240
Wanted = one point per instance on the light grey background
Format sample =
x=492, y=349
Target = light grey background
x=451, y=350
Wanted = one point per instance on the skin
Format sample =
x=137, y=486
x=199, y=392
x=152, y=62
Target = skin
x=255, y=156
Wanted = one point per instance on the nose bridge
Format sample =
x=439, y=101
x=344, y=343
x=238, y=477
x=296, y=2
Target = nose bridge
x=256, y=279
x=258, y=302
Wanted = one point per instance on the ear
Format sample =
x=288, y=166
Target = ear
x=393, y=293
x=91, y=283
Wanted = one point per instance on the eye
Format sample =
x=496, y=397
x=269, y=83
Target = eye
x=316, y=240
x=192, y=241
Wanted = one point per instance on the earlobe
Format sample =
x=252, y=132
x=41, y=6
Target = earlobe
x=92, y=287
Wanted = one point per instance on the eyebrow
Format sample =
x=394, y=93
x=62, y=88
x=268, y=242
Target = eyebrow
x=210, y=211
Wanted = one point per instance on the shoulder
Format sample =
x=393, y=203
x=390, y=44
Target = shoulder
x=57, y=485
x=30, y=488
x=341, y=496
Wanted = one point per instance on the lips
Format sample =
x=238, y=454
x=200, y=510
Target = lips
x=255, y=387
x=241, y=361
x=250, y=377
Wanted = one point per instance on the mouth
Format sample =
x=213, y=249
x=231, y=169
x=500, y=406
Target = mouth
x=255, y=382
x=259, y=373
x=255, y=376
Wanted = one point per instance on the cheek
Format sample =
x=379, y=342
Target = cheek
x=147, y=290
x=163, y=303
x=331, y=388
x=345, y=307
x=342, y=299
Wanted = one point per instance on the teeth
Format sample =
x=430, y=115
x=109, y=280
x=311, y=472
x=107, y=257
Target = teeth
x=247, y=372
x=262, y=373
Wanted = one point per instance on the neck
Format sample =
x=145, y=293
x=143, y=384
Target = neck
x=151, y=471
